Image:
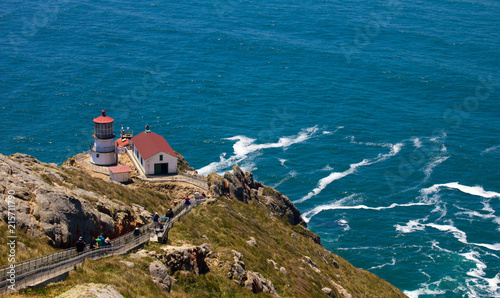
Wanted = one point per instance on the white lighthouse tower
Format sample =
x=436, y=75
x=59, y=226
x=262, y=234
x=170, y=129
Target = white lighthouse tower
x=103, y=151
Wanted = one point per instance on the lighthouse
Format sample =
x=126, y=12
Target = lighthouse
x=103, y=152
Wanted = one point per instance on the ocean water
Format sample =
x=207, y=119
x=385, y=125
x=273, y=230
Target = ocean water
x=378, y=119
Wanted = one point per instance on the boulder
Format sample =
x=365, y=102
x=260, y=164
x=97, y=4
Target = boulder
x=283, y=271
x=252, y=242
x=186, y=258
x=253, y=281
x=257, y=283
x=159, y=272
x=91, y=291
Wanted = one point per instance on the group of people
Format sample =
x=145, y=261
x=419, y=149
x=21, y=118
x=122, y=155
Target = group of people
x=99, y=241
x=96, y=242
x=168, y=217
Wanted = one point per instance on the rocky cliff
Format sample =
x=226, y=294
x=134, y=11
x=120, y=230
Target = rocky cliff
x=246, y=239
x=49, y=205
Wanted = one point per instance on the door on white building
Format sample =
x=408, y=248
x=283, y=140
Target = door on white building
x=161, y=168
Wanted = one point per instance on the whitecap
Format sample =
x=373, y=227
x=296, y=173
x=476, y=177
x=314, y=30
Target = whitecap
x=324, y=182
x=417, y=142
x=411, y=226
x=282, y=162
x=343, y=223
x=291, y=174
x=494, y=148
x=307, y=216
x=472, y=190
x=461, y=236
x=480, y=266
x=392, y=263
x=245, y=146
x=430, y=167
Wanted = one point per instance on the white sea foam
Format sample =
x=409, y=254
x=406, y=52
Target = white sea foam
x=435, y=139
x=343, y=223
x=430, y=167
x=282, y=162
x=244, y=147
x=353, y=141
x=307, y=216
x=392, y=263
x=492, y=284
x=424, y=291
x=324, y=182
x=290, y=175
x=327, y=168
x=417, y=142
x=480, y=266
x=472, y=190
x=494, y=148
x=460, y=235
x=411, y=226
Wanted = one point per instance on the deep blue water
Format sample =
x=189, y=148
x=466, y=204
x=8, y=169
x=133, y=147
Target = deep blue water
x=379, y=119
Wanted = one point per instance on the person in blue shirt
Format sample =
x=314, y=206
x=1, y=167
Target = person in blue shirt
x=156, y=217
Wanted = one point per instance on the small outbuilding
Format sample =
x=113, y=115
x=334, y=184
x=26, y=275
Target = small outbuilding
x=120, y=173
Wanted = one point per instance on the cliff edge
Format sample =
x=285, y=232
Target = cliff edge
x=246, y=239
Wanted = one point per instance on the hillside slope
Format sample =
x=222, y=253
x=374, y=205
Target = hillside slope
x=247, y=238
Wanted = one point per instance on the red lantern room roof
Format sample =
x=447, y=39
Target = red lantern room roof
x=103, y=118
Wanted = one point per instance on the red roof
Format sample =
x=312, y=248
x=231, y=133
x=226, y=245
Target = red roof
x=148, y=144
x=103, y=118
x=120, y=169
x=122, y=142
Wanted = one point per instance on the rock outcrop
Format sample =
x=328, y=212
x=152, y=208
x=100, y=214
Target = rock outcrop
x=49, y=208
x=92, y=291
x=186, y=258
x=159, y=272
x=242, y=186
x=253, y=281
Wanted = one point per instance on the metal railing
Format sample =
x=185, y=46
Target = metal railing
x=178, y=211
x=38, y=270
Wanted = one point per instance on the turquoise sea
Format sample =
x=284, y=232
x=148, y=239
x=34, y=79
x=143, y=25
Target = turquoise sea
x=380, y=120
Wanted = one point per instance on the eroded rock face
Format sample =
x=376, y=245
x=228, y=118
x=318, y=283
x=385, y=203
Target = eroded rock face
x=49, y=208
x=253, y=281
x=243, y=187
x=186, y=258
x=159, y=272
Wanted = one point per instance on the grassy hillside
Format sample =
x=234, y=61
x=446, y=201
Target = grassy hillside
x=227, y=225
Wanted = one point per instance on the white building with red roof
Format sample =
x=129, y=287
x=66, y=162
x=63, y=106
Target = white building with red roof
x=103, y=151
x=153, y=154
x=120, y=173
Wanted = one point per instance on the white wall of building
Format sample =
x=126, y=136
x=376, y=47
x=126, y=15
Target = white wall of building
x=104, y=145
x=149, y=164
x=120, y=177
x=103, y=159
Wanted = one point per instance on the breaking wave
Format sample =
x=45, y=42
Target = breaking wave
x=324, y=182
x=245, y=147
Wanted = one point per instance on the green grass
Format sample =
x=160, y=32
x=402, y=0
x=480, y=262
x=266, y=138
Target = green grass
x=228, y=224
x=34, y=247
